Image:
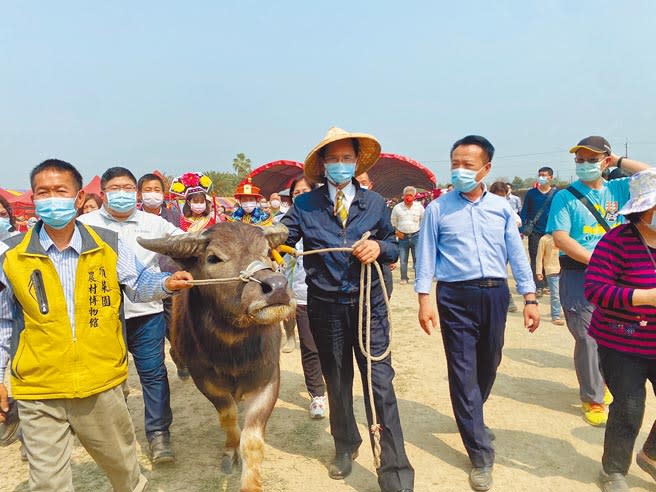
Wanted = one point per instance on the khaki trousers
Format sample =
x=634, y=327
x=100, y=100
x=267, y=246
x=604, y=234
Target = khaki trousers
x=102, y=424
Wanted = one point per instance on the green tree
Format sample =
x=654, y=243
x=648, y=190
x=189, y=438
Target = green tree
x=223, y=183
x=242, y=165
x=517, y=182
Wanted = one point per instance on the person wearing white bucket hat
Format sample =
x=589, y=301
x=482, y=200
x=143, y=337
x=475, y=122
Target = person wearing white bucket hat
x=621, y=282
x=579, y=216
x=337, y=215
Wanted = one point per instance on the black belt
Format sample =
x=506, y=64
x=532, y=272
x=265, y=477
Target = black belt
x=483, y=283
x=567, y=263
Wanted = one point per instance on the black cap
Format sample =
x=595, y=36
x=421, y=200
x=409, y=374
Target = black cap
x=596, y=144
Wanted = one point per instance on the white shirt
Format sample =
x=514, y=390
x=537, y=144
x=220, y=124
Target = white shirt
x=407, y=220
x=348, y=190
x=139, y=224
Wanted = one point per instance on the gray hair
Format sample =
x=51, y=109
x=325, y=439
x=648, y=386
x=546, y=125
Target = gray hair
x=409, y=190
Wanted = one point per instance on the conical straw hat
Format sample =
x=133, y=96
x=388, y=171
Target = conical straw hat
x=369, y=153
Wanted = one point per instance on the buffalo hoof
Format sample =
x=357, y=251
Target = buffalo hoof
x=228, y=462
x=290, y=345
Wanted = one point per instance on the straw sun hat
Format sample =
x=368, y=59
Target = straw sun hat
x=368, y=155
x=642, y=186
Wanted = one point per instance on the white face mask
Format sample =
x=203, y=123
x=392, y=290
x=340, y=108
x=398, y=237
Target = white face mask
x=198, y=208
x=275, y=203
x=152, y=199
x=248, y=207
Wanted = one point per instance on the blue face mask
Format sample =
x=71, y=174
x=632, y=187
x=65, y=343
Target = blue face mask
x=56, y=212
x=5, y=225
x=464, y=180
x=122, y=201
x=543, y=180
x=340, y=172
x=588, y=171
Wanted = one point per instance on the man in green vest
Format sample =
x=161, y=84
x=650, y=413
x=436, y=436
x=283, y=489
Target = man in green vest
x=60, y=310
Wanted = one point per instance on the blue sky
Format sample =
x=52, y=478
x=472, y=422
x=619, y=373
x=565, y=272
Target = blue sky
x=183, y=86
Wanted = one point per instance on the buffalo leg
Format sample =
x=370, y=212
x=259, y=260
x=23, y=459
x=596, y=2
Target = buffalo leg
x=258, y=409
x=227, y=409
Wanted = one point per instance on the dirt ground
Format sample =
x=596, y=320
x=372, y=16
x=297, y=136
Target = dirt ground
x=542, y=442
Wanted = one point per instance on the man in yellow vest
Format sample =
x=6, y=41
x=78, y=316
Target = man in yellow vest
x=60, y=308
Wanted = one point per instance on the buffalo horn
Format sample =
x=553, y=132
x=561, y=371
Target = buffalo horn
x=276, y=234
x=180, y=246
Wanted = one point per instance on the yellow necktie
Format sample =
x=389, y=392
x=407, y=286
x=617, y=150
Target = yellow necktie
x=340, y=208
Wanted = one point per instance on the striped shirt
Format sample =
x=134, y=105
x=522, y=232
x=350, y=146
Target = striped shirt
x=140, y=284
x=619, y=265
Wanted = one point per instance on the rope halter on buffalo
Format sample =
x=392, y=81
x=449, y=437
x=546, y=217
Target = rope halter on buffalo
x=364, y=329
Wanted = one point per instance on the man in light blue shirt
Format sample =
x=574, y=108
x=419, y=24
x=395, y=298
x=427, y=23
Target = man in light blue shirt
x=466, y=240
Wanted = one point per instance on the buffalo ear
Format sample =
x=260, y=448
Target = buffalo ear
x=275, y=234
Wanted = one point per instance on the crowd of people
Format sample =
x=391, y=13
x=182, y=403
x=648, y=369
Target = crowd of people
x=78, y=292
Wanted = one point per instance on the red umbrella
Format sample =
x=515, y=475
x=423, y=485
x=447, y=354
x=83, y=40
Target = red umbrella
x=393, y=172
x=275, y=176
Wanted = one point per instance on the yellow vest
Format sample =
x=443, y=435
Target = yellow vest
x=52, y=361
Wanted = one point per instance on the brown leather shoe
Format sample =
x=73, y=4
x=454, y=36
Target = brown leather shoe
x=342, y=465
x=480, y=478
x=10, y=428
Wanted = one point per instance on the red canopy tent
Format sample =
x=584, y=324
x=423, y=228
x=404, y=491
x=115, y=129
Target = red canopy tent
x=390, y=175
x=393, y=172
x=275, y=176
x=93, y=186
x=8, y=194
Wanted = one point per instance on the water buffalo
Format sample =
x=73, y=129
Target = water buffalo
x=228, y=334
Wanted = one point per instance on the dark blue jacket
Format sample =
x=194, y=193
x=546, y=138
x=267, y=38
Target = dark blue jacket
x=335, y=277
x=533, y=202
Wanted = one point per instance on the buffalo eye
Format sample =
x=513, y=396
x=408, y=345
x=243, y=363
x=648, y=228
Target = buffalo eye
x=214, y=259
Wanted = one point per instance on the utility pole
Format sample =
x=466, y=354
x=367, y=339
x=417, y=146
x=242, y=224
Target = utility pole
x=626, y=147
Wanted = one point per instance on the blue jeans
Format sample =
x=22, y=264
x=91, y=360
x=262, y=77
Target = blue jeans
x=552, y=282
x=407, y=245
x=146, y=344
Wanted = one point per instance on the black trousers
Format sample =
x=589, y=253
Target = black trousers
x=309, y=354
x=334, y=327
x=473, y=321
x=626, y=376
x=533, y=242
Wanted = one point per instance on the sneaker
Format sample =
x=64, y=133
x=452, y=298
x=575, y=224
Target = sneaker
x=646, y=463
x=318, y=407
x=558, y=321
x=612, y=482
x=594, y=413
x=608, y=397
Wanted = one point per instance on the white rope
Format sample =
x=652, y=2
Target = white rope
x=244, y=276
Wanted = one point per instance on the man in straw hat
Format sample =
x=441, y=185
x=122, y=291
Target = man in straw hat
x=576, y=232
x=337, y=215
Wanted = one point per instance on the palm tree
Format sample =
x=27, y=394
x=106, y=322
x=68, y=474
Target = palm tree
x=241, y=164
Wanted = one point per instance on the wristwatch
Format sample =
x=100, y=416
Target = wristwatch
x=526, y=303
